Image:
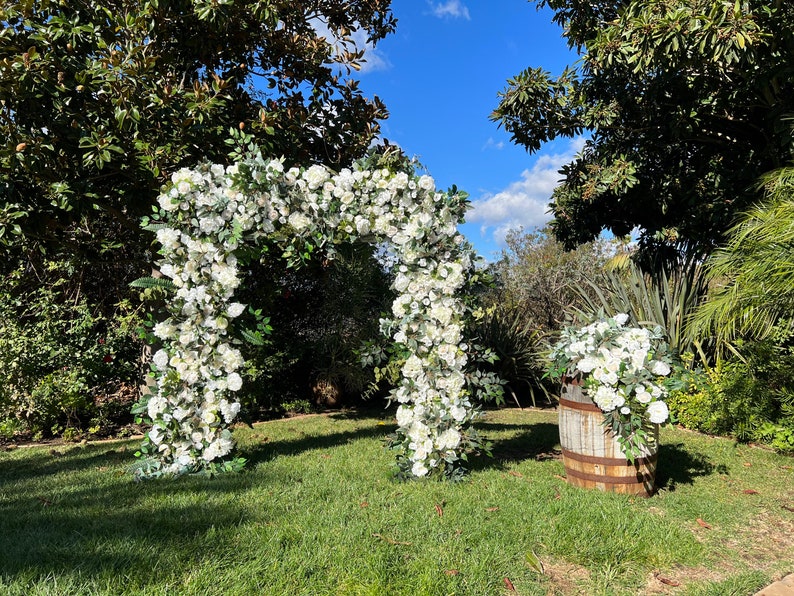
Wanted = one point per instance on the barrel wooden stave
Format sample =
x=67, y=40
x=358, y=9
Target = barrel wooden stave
x=591, y=453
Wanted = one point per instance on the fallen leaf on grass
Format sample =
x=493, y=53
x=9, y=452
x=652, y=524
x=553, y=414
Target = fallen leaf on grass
x=703, y=524
x=535, y=562
x=439, y=510
x=666, y=581
x=451, y=572
x=363, y=504
x=787, y=508
x=492, y=508
x=516, y=474
x=747, y=464
x=560, y=477
x=508, y=584
x=750, y=491
x=390, y=541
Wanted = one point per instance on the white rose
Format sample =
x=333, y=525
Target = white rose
x=234, y=382
x=659, y=367
x=235, y=309
x=458, y=413
x=621, y=319
x=160, y=359
x=168, y=203
x=419, y=469
x=658, y=412
x=299, y=221
x=642, y=394
x=449, y=439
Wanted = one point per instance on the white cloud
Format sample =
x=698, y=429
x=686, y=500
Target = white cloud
x=373, y=59
x=492, y=144
x=452, y=9
x=524, y=203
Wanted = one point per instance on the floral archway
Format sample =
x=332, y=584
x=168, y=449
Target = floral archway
x=207, y=214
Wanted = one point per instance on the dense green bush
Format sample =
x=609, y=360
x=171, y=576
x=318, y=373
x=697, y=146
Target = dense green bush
x=321, y=316
x=750, y=397
x=68, y=365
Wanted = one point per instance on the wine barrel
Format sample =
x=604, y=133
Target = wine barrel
x=591, y=453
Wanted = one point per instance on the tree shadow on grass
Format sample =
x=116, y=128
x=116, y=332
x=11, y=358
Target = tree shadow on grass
x=73, y=458
x=102, y=524
x=268, y=450
x=677, y=465
x=539, y=441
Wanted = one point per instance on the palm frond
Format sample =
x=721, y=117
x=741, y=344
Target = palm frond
x=752, y=276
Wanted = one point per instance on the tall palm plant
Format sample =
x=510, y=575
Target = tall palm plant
x=752, y=276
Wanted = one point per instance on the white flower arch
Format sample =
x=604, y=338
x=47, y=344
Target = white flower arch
x=208, y=213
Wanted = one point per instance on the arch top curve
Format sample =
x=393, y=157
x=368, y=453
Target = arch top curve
x=209, y=213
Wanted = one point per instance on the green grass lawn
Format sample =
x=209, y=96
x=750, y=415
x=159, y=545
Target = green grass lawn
x=317, y=512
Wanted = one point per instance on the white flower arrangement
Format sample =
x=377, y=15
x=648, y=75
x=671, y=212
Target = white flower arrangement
x=624, y=370
x=208, y=212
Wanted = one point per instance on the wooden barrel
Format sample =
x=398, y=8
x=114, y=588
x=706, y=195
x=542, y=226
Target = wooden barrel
x=591, y=453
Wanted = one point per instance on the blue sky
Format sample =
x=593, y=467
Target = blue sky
x=439, y=75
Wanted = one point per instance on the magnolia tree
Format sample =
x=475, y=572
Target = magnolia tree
x=209, y=216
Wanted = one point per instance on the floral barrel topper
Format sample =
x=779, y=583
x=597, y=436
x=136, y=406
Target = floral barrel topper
x=625, y=371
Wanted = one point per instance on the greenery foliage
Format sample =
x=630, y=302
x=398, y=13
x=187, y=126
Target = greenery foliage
x=101, y=102
x=67, y=368
x=752, y=275
x=684, y=105
x=750, y=398
x=519, y=348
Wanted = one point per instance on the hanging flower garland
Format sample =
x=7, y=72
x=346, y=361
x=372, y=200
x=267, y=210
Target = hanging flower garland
x=208, y=213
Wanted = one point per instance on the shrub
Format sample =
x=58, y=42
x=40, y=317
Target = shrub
x=321, y=316
x=538, y=277
x=749, y=397
x=519, y=348
x=66, y=364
